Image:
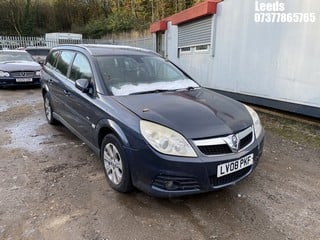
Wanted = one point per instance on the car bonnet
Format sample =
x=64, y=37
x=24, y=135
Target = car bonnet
x=11, y=66
x=196, y=114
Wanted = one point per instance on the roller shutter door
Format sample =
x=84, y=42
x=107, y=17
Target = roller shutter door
x=195, y=33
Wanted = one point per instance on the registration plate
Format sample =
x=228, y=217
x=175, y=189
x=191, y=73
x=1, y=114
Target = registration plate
x=234, y=166
x=24, y=80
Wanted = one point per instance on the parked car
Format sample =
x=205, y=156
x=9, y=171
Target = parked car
x=153, y=127
x=18, y=68
x=38, y=53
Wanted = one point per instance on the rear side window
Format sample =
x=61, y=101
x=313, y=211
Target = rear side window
x=38, y=52
x=52, y=59
x=80, y=68
x=64, y=62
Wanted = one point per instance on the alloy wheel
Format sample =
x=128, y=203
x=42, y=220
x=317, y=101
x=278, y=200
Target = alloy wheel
x=48, y=110
x=113, y=163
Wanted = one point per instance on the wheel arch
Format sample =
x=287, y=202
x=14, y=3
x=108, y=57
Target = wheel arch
x=108, y=126
x=44, y=90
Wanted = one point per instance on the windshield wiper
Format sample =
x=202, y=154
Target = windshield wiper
x=190, y=88
x=152, y=91
x=187, y=89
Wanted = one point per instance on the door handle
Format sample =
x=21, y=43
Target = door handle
x=67, y=93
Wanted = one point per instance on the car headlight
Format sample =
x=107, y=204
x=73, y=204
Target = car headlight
x=165, y=140
x=4, y=74
x=38, y=73
x=256, y=121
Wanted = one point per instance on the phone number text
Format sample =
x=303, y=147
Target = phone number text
x=277, y=17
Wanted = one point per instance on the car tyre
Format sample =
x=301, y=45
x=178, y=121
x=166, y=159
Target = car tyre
x=48, y=109
x=115, y=164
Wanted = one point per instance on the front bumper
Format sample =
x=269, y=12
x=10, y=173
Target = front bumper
x=168, y=176
x=10, y=82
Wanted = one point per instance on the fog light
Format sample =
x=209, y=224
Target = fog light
x=169, y=185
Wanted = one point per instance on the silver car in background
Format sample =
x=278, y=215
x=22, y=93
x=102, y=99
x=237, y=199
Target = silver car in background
x=18, y=68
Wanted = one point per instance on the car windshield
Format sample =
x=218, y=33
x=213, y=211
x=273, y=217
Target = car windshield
x=7, y=56
x=133, y=74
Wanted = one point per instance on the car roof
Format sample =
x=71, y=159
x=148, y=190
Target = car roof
x=35, y=47
x=17, y=51
x=106, y=49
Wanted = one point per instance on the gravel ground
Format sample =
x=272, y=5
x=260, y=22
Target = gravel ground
x=53, y=187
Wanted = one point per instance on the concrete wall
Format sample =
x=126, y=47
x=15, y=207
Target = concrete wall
x=278, y=61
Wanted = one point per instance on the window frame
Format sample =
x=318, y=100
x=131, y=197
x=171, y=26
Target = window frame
x=202, y=50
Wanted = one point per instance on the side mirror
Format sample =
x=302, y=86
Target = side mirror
x=83, y=85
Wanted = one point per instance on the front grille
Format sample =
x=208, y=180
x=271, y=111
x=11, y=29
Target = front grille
x=22, y=74
x=232, y=177
x=245, y=141
x=215, y=149
x=173, y=183
x=225, y=145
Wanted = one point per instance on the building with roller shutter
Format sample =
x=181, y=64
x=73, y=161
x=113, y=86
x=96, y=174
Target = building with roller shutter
x=223, y=47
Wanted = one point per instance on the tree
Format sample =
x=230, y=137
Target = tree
x=11, y=16
x=97, y=28
x=120, y=22
x=90, y=17
x=28, y=20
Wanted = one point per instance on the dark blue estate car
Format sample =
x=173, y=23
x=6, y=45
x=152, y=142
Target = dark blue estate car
x=153, y=127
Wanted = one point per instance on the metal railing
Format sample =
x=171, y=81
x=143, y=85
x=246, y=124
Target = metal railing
x=19, y=42
x=141, y=43
x=14, y=42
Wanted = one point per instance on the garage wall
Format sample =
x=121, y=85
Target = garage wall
x=277, y=61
